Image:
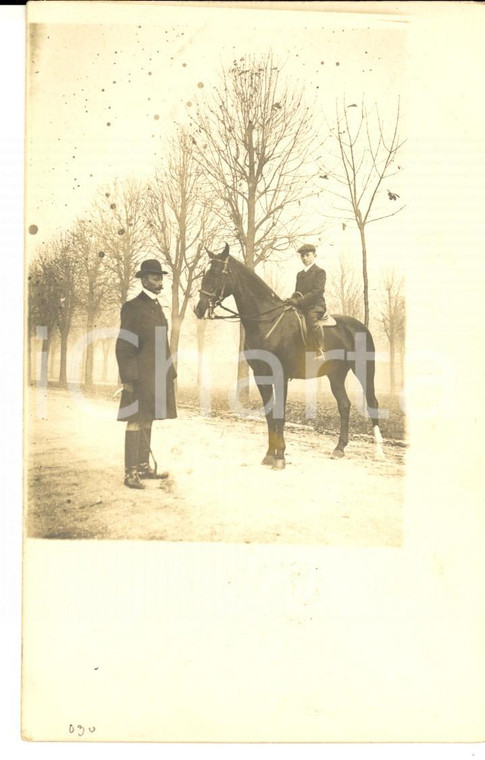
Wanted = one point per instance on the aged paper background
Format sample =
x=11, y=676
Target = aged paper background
x=180, y=642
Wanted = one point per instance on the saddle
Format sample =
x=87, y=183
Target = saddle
x=325, y=321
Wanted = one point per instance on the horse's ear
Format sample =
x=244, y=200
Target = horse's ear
x=210, y=254
x=225, y=252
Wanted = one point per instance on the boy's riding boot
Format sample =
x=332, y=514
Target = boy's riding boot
x=132, y=479
x=318, y=341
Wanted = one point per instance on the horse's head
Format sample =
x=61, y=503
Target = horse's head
x=216, y=283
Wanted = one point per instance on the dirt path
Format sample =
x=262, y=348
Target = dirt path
x=217, y=491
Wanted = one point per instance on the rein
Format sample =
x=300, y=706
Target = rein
x=216, y=297
x=236, y=315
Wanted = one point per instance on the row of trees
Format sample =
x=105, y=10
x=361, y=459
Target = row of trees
x=390, y=308
x=344, y=298
x=81, y=278
x=242, y=170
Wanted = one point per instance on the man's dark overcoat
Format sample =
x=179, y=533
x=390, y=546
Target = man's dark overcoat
x=136, y=363
x=310, y=287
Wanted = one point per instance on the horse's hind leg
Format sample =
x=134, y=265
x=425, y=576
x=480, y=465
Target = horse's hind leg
x=337, y=384
x=279, y=408
x=373, y=411
x=367, y=383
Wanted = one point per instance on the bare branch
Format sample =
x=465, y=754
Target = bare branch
x=255, y=149
x=386, y=216
x=364, y=159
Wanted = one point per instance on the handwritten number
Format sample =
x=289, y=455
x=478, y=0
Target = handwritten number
x=81, y=729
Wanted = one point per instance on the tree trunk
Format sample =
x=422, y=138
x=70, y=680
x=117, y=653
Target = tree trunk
x=29, y=349
x=175, y=336
x=52, y=358
x=201, y=327
x=125, y=281
x=364, y=274
x=243, y=372
x=243, y=367
x=106, y=349
x=44, y=362
x=63, y=360
x=176, y=319
x=251, y=228
x=88, y=374
x=89, y=360
x=401, y=355
x=392, y=366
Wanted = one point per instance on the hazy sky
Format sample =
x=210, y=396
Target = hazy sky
x=108, y=81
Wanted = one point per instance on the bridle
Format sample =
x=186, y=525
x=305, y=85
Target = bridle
x=217, y=296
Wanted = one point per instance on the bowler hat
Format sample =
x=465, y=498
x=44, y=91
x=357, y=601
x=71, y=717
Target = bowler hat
x=150, y=266
x=307, y=248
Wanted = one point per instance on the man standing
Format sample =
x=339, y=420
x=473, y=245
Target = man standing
x=309, y=295
x=146, y=371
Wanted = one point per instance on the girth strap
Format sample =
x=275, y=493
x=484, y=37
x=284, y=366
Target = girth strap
x=276, y=323
x=301, y=323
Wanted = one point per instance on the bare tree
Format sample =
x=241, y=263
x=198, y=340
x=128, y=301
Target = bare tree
x=94, y=285
x=179, y=217
x=393, y=319
x=66, y=269
x=52, y=296
x=120, y=221
x=365, y=157
x=346, y=292
x=254, y=143
x=43, y=303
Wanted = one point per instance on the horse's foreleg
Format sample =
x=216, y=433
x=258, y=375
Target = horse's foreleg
x=279, y=461
x=269, y=457
x=337, y=384
x=266, y=392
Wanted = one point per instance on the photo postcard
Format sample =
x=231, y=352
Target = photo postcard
x=252, y=451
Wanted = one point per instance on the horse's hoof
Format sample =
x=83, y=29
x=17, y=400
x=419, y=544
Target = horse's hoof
x=337, y=454
x=279, y=464
x=268, y=460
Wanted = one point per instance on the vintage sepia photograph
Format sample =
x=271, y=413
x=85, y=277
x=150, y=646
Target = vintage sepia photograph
x=252, y=456
x=216, y=286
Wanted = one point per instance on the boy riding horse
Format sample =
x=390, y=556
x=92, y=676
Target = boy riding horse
x=309, y=296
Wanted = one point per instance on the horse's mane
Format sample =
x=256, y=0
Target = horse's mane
x=257, y=284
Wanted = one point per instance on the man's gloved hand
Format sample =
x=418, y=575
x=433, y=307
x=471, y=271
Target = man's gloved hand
x=291, y=301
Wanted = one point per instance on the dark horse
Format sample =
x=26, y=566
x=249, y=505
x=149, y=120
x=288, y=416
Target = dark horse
x=273, y=338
